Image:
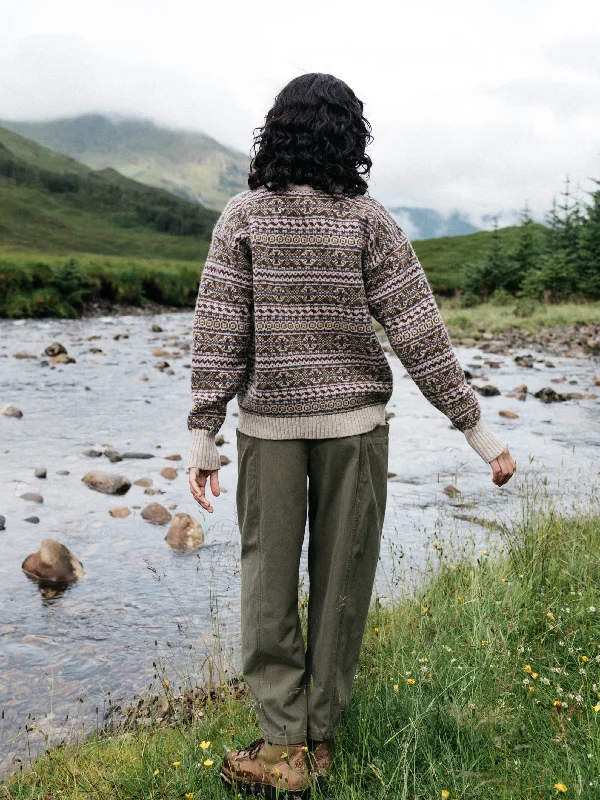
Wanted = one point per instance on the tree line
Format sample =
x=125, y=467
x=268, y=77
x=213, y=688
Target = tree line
x=556, y=262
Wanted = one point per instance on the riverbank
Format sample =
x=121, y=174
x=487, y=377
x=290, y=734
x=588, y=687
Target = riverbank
x=482, y=683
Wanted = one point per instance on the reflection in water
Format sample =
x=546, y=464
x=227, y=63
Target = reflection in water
x=144, y=612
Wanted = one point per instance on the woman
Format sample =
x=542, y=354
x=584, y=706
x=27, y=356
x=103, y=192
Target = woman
x=298, y=265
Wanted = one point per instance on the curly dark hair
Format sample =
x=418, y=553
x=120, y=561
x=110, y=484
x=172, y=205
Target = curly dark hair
x=314, y=133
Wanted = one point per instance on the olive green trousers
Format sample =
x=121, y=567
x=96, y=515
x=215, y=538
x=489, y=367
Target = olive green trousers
x=341, y=484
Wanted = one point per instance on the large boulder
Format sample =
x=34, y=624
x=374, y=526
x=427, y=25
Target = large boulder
x=185, y=534
x=53, y=564
x=106, y=483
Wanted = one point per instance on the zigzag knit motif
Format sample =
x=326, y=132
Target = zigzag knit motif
x=283, y=321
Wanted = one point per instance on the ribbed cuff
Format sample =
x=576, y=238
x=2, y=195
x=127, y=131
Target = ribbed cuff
x=484, y=441
x=203, y=453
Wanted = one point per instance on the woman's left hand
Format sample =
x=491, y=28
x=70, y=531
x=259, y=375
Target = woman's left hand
x=198, y=478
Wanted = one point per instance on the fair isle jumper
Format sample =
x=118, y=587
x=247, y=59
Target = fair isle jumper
x=283, y=321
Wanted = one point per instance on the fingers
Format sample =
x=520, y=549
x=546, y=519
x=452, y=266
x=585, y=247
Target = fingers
x=503, y=468
x=198, y=479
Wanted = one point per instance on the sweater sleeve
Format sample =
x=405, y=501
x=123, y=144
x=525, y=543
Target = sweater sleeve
x=222, y=332
x=401, y=300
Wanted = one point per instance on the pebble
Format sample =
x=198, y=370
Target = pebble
x=219, y=439
x=12, y=411
x=508, y=414
x=450, y=490
x=175, y=457
x=185, y=535
x=32, y=497
x=23, y=354
x=113, y=456
x=133, y=454
x=224, y=460
x=33, y=519
x=2, y=522
x=41, y=472
x=143, y=482
x=55, y=349
x=119, y=513
x=170, y=473
x=156, y=514
x=106, y=483
x=487, y=391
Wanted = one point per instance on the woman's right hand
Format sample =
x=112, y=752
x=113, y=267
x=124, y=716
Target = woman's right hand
x=503, y=468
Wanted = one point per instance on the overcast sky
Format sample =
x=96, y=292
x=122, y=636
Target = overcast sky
x=474, y=105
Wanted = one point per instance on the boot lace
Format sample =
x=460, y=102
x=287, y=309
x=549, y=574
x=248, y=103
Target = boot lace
x=253, y=748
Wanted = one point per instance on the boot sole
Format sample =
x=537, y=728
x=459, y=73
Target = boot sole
x=264, y=789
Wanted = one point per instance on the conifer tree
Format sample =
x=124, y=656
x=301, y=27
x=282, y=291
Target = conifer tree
x=589, y=248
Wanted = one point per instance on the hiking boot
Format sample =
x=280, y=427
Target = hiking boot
x=319, y=757
x=271, y=769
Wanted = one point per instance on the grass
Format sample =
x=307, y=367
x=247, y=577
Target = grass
x=486, y=316
x=481, y=682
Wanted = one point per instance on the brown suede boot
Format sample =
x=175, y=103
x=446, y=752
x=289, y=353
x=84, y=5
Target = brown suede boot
x=319, y=757
x=266, y=768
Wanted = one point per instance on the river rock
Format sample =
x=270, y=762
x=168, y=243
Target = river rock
x=53, y=563
x=160, y=352
x=224, y=460
x=41, y=472
x=144, y=378
x=134, y=454
x=12, y=411
x=153, y=491
x=55, y=349
x=106, y=483
x=156, y=329
x=62, y=358
x=389, y=415
x=119, y=513
x=161, y=365
x=185, y=534
x=170, y=473
x=450, y=490
x=33, y=519
x=219, y=439
x=524, y=361
x=113, y=456
x=92, y=453
x=62, y=472
x=119, y=336
x=508, y=414
x=143, y=482
x=590, y=396
x=32, y=497
x=597, y=380
x=548, y=395
x=23, y=354
x=156, y=514
x=174, y=457
x=2, y=522
x=487, y=391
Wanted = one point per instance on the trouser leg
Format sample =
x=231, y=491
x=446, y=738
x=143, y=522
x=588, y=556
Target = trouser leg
x=271, y=500
x=347, y=499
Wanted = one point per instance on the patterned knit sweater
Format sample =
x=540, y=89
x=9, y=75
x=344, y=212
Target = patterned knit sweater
x=283, y=321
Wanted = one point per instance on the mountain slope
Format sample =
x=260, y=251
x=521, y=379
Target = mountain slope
x=52, y=204
x=187, y=163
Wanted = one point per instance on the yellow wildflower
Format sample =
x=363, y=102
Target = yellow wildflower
x=204, y=745
x=305, y=748
x=557, y=704
x=208, y=763
x=535, y=676
x=459, y=597
x=396, y=688
x=560, y=787
x=188, y=795
x=484, y=552
x=550, y=615
x=596, y=708
x=411, y=681
x=278, y=772
x=527, y=668
x=453, y=566
x=426, y=608
x=584, y=659
x=166, y=683
x=445, y=794
x=302, y=602
x=157, y=772
x=521, y=575
x=483, y=642
x=376, y=630
x=176, y=764
x=531, y=689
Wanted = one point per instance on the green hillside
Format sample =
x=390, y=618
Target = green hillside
x=189, y=164
x=444, y=258
x=50, y=203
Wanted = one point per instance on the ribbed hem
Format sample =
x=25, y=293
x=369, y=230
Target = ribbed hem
x=203, y=453
x=484, y=442
x=316, y=426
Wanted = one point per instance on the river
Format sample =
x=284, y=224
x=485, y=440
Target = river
x=64, y=656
